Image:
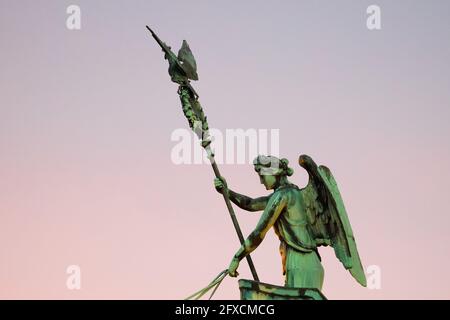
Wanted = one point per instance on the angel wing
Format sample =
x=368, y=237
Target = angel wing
x=328, y=220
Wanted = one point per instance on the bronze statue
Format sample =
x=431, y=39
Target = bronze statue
x=303, y=219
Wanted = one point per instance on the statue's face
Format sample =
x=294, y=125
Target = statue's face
x=268, y=181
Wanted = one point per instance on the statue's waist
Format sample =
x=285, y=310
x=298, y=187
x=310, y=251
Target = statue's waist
x=296, y=237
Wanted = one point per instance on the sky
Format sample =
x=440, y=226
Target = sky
x=86, y=120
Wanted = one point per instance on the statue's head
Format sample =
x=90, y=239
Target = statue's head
x=272, y=171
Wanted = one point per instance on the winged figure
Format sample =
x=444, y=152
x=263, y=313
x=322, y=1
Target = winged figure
x=303, y=219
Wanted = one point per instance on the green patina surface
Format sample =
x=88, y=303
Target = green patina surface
x=251, y=290
x=303, y=219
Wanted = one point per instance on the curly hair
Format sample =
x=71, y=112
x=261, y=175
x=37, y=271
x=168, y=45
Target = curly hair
x=270, y=165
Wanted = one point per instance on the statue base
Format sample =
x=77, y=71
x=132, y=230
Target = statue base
x=252, y=290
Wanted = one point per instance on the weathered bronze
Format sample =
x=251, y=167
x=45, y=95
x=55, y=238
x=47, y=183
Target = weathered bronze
x=303, y=218
x=195, y=116
x=252, y=290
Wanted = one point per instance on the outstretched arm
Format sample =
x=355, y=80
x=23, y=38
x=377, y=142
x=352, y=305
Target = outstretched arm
x=242, y=201
x=247, y=203
x=271, y=213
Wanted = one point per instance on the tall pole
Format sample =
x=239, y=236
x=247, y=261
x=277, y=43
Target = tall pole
x=231, y=212
x=181, y=69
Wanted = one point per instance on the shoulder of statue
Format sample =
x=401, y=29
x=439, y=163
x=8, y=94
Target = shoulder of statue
x=284, y=192
x=287, y=188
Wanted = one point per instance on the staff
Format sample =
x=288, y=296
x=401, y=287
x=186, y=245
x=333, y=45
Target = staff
x=181, y=69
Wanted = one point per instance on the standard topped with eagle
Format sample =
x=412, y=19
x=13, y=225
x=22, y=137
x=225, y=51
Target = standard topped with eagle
x=303, y=219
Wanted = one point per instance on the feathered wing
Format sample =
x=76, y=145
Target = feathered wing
x=328, y=220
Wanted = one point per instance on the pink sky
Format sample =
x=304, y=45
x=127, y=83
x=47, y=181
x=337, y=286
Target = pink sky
x=86, y=117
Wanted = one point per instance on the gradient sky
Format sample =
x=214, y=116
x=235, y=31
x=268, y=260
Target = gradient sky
x=86, y=117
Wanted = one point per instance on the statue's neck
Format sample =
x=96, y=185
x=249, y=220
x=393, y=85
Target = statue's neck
x=282, y=182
